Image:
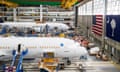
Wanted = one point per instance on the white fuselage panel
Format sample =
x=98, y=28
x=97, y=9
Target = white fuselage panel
x=62, y=47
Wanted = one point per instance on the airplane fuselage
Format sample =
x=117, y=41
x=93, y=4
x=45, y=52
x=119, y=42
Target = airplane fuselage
x=36, y=26
x=61, y=47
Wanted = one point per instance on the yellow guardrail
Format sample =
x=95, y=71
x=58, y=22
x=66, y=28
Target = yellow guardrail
x=7, y=3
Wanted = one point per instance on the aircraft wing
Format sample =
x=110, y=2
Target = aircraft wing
x=5, y=56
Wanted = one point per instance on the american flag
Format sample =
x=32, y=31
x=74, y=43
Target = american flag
x=97, y=27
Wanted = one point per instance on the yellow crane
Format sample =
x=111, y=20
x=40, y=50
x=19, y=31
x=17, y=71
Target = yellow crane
x=68, y=3
x=7, y=3
x=63, y=3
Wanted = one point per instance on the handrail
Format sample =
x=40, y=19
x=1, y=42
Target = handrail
x=14, y=57
x=19, y=66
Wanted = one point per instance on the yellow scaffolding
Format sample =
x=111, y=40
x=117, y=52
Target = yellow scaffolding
x=7, y=3
x=49, y=63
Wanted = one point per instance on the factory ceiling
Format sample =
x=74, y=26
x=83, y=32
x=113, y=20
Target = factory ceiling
x=42, y=2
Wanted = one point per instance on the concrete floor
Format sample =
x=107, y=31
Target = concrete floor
x=91, y=65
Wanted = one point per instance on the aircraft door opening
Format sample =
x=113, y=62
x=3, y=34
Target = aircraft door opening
x=19, y=48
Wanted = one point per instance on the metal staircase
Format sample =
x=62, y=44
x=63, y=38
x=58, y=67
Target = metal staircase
x=16, y=60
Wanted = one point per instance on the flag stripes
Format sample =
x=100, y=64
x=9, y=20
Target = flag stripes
x=97, y=27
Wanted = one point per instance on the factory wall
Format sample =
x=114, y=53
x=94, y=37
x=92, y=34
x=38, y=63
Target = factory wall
x=107, y=35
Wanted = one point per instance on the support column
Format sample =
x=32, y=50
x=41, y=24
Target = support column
x=14, y=15
x=41, y=13
x=104, y=25
x=76, y=16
